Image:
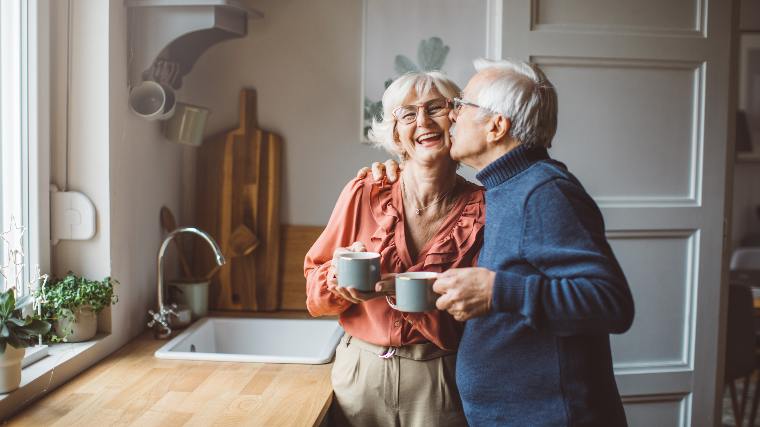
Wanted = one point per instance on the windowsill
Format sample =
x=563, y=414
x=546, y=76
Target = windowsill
x=34, y=354
x=39, y=377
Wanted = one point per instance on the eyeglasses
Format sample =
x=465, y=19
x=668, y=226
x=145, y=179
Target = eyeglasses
x=407, y=114
x=459, y=103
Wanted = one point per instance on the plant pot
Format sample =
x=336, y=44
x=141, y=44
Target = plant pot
x=192, y=294
x=83, y=327
x=10, y=368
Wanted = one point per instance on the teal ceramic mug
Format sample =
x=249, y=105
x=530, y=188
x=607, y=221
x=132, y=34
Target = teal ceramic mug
x=359, y=270
x=414, y=292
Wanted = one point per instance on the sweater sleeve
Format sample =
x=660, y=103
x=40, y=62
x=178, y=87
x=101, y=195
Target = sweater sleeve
x=341, y=231
x=579, y=287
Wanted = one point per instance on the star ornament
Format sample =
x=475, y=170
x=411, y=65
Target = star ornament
x=37, y=288
x=13, y=237
x=15, y=250
x=13, y=269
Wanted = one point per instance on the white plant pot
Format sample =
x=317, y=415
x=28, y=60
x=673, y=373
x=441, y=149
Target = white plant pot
x=10, y=368
x=82, y=328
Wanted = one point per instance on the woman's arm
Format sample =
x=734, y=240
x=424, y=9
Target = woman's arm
x=341, y=231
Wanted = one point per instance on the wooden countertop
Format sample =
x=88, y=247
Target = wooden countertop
x=131, y=387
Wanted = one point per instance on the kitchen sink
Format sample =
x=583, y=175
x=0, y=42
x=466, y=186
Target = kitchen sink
x=262, y=340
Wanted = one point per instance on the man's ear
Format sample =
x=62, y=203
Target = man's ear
x=498, y=128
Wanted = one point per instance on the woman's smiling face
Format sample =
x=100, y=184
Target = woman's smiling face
x=425, y=139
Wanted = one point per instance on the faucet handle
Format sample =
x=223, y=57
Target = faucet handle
x=171, y=310
x=161, y=322
x=153, y=318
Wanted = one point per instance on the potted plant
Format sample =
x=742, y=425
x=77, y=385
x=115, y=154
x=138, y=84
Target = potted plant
x=16, y=333
x=73, y=303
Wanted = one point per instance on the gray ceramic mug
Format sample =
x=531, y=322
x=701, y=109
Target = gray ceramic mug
x=359, y=270
x=414, y=292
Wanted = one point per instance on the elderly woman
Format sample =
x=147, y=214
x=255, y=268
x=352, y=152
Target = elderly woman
x=391, y=367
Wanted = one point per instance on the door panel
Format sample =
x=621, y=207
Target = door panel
x=643, y=117
x=667, y=411
x=659, y=267
x=618, y=15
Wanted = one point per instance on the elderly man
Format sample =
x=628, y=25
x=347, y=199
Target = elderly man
x=548, y=290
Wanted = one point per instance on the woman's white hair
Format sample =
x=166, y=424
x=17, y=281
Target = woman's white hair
x=383, y=134
x=520, y=91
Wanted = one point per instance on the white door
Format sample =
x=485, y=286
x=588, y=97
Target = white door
x=643, y=122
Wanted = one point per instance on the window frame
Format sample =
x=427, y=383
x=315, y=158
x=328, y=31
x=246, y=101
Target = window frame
x=25, y=127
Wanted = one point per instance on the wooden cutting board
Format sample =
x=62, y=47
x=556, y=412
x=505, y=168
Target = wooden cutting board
x=239, y=184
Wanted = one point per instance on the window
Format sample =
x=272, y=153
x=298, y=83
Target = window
x=24, y=145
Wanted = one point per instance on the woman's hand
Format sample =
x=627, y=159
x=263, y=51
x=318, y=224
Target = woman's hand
x=385, y=287
x=355, y=247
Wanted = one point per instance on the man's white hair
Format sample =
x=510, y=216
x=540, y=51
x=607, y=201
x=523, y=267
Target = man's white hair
x=382, y=134
x=520, y=91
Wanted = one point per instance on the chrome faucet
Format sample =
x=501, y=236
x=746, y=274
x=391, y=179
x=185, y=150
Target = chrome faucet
x=161, y=320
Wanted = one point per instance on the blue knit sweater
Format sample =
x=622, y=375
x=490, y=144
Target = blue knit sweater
x=542, y=356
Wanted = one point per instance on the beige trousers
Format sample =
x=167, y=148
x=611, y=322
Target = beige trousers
x=415, y=387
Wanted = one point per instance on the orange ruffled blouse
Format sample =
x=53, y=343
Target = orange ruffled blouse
x=372, y=212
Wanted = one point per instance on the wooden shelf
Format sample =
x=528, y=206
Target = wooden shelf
x=748, y=158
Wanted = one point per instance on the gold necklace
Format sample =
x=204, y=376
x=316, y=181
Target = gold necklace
x=418, y=211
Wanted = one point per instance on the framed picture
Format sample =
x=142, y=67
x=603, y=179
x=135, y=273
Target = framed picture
x=749, y=86
x=401, y=36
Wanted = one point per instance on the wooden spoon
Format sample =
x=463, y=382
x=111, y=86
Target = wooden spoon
x=169, y=224
x=242, y=242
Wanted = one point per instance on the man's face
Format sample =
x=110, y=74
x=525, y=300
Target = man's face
x=469, y=133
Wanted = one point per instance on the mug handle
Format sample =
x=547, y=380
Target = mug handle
x=388, y=300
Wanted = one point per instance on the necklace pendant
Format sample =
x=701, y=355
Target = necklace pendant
x=419, y=211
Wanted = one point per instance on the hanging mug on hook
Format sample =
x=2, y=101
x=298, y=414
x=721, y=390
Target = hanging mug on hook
x=152, y=100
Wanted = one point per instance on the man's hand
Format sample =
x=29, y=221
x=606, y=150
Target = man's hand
x=465, y=292
x=390, y=170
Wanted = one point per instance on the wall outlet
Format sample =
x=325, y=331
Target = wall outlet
x=72, y=216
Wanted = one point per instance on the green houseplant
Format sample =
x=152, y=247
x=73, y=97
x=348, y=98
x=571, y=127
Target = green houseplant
x=73, y=303
x=16, y=333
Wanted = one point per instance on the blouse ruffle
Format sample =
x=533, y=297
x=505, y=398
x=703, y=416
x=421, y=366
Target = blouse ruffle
x=385, y=202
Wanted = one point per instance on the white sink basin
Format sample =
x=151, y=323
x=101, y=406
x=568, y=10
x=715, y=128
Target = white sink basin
x=306, y=341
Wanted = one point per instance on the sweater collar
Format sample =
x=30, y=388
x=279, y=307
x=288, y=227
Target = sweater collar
x=510, y=164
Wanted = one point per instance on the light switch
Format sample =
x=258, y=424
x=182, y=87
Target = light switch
x=72, y=216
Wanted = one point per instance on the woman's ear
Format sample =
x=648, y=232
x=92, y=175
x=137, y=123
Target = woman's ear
x=400, y=152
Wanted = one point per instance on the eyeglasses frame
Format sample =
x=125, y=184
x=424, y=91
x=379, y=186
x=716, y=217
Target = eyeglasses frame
x=449, y=107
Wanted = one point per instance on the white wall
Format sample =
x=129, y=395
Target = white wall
x=304, y=60
x=123, y=164
x=145, y=171
x=88, y=131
